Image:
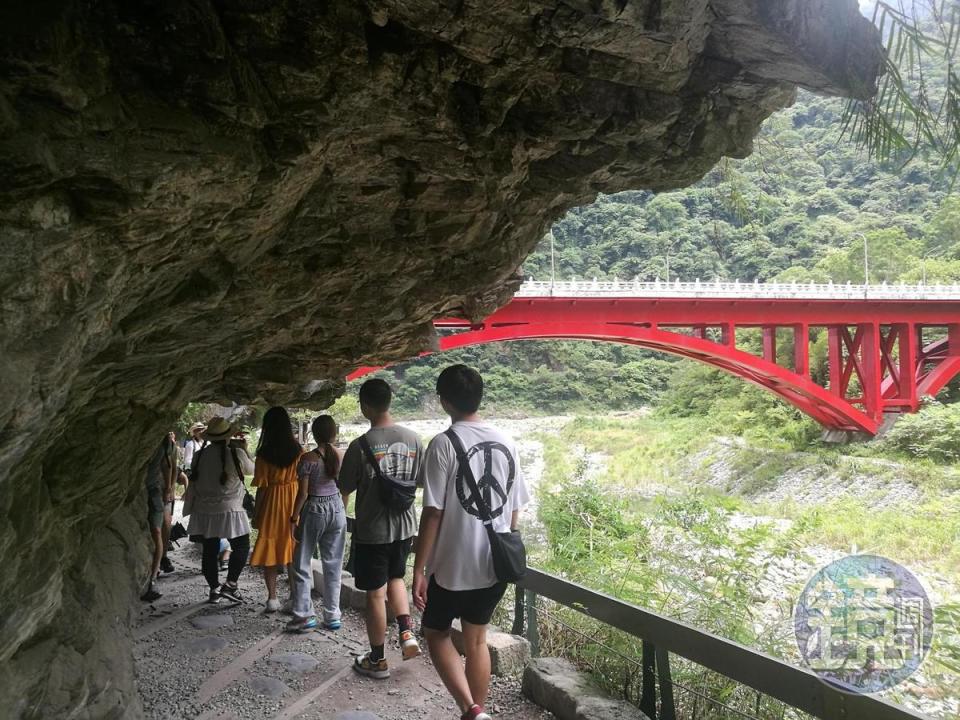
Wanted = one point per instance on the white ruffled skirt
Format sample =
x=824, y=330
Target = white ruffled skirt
x=229, y=525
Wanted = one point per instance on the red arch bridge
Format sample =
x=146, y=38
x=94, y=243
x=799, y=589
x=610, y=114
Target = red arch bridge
x=887, y=345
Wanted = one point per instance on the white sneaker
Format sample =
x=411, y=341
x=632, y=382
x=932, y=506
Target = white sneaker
x=272, y=605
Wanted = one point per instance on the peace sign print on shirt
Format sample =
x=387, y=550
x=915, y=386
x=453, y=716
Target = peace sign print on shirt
x=493, y=493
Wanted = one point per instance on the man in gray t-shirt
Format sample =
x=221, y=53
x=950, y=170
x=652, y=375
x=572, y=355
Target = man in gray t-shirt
x=383, y=536
x=398, y=451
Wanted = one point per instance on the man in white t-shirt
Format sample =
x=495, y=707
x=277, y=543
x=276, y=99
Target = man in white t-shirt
x=453, y=549
x=193, y=445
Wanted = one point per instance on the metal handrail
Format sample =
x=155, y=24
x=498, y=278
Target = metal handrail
x=795, y=686
x=736, y=289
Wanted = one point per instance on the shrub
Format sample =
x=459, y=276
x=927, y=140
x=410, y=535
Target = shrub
x=932, y=433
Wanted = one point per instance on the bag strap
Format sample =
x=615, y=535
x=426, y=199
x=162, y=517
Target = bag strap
x=195, y=460
x=368, y=453
x=482, y=508
x=236, y=464
x=378, y=473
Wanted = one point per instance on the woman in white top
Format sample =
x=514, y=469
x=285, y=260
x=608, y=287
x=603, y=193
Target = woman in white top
x=215, y=505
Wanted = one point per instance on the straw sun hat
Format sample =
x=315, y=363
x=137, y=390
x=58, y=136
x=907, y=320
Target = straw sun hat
x=219, y=429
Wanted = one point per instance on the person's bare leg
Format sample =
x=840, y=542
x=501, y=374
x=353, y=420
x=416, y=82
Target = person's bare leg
x=377, y=616
x=165, y=529
x=397, y=597
x=270, y=578
x=447, y=661
x=478, y=661
x=157, y=552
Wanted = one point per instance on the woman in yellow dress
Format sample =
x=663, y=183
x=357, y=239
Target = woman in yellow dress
x=275, y=478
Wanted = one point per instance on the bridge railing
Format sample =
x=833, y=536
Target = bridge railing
x=736, y=289
x=661, y=636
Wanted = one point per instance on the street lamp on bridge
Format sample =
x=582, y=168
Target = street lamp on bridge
x=923, y=264
x=866, y=263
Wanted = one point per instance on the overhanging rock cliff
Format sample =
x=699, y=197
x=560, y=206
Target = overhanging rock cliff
x=229, y=200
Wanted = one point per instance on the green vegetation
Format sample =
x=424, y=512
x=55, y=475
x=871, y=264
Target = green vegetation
x=917, y=108
x=645, y=526
x=538, y=377
x=799, y=209
x=652, y=524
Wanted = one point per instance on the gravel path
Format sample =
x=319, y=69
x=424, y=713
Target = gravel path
x=233, y=662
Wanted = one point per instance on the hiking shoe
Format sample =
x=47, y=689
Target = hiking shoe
x=231, y=593
x=475, y=713
x=332, y=625
x=151, y=594
x=376, y=669
x=302, y=625
x=409, y=646
x=272, y=605
x=165, y=565
x=214, y=596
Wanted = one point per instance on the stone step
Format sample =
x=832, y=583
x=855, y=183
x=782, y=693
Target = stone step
x=557, y=685
x=350, y=595
x=509, y=654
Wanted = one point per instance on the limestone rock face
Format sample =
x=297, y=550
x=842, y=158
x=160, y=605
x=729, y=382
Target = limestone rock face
x=241, y=200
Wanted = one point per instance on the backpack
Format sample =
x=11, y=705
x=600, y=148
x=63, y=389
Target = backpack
x=397, y=497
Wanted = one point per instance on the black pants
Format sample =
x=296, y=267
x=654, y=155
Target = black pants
x=238, y=558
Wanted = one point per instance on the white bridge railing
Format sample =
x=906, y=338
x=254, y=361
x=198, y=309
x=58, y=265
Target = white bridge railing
x=736, y=289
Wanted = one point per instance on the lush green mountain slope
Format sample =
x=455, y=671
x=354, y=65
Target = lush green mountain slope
x=800, y=208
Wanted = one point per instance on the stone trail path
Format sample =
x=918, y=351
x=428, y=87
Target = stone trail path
x=197, y=661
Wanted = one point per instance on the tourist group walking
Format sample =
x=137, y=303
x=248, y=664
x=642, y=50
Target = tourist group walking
x=466, y=548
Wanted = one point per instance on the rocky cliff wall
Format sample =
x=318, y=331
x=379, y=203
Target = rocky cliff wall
x=242, y=199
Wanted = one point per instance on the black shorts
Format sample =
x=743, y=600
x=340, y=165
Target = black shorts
x=373, y=565
x=472, y=606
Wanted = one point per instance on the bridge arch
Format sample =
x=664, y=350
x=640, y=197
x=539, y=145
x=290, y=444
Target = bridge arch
x=828, y=409
x=878, y=360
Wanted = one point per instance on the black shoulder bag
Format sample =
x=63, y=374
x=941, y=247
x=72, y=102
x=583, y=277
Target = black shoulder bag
x=396, y=496
x=509, y=554
x=249, y=503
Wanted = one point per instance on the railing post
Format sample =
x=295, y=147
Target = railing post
x=533, y=626
x=801, y=349
x=667, y=710
x=870, y=377
x=518, y=613
x=770, y=343
x=648, y=692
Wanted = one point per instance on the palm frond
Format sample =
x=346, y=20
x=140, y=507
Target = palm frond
x=910, y=115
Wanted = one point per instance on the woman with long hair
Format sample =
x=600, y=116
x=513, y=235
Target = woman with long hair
x=161, y=470
x=214, y=502
x=275, y=478
x=319, y=521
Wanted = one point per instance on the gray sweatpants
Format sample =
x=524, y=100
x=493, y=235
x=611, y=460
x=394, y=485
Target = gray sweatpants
x=323, y=525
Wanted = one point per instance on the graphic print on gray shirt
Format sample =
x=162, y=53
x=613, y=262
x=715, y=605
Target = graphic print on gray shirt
x=400, y=454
